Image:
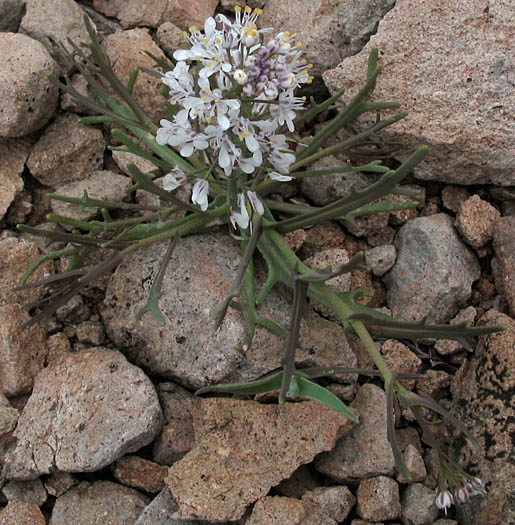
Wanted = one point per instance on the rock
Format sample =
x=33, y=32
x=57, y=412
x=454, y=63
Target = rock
x=102, y=185
x=418, y=505
x=140, y=473
x=459, y=106
x=330, y=31
x=482, y=403
x=415, y=465
x=504, y=263
x=433, y=382
x=475, y=221
x=450, y=346
x=28, y=99
x=399, y=217
x=124, y=158
x=22, y=352
x=21, y=513
x=400, y=359
x=295, y=239
x=31, y=491
x=8, y=417
x=276, y=510
x=233, y=436
x=20, y=208
x=74, y=311
x=132, y=13
x=434, y=271
x=192, y=13
x=58, y=483
x=378, y=499
x=453, y=196
x=170, y=38
x=11, y=12
x=365, y=452
x=382, y=237
x=67, y=151
x=55, y=20
x=336, y=502
x=186, y=349
x=299, y=483
x=321, y=237
x=125, y=50
x=85, y=411
x=332, y=258
x=68, y=103
x=98, y=502
x=13, y=154
x=90, y=332
x=381, y=259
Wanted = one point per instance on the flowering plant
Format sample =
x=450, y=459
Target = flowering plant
x=231, y=133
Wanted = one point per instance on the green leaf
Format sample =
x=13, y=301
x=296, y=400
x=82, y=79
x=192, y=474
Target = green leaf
x=309, y=390
x=261, y=386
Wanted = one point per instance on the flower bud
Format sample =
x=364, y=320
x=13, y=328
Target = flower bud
x=241, y=77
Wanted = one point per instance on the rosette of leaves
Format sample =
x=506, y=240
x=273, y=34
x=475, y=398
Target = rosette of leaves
x=231, y=100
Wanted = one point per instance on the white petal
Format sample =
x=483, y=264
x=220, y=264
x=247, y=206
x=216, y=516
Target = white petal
x=209, y=26
x=223, y=121
x=224, y=159
x=187, y=150
x=182, y=54
x=256, y=202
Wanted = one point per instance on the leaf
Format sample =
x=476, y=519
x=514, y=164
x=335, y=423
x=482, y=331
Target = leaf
x=261, y=386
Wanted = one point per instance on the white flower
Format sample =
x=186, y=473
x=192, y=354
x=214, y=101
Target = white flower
x=444, y=500
x=174, y=179
x=284, y=112
x=200, y=193
x=240, y=76
x=278, y=177
x=255, y=202
x=240, y=218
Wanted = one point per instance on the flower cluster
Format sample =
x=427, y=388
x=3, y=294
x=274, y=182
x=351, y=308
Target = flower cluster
x=233, y=99
x=472, y=487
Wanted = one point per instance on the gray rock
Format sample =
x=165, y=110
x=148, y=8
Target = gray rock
x=483, y=403
x=461, y=106
x=98, y=502
x=504, y=263
x=365, y=452
x=381, y=259
x=21, y=513
x=11, y=12
x=58, y=483
x=450, y=346
x=186, y=349
x=85, y=411
x=336, y=502
x=415, y=465
x=31, y=491
x=27, y=98
x=67, y=151
x=170, y=38
x=287, y=511
x=56, y=20
x=91, y=332
x=378, y=499
x=13, y=154
x=8, y=417
x=434, y=271
x=418, y=505
x=22, y=352
x=329, y=31
x=74, y=311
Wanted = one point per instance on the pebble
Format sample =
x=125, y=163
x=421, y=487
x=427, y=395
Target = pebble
x=475, y=221
x=378, y=499
x=418, y=505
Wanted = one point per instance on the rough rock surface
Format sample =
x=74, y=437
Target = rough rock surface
x=98, y=502
x=504, y=263
x=11, y=12
x=21, y=513
x=170, y=38
x=187, y=349
x=103, y=185
x=418, y=505
x=365, y=452
x=336, y=502
x=67, y=151
x=22, y=352
x=31, y=491
x=475, y=221
x=27, y=98
x=140, y=473
x=85, y=411
x=13, y=154
x=378, y=499
x=243, y=448
x=381, y=258
x=330, y=31
x=484, y=403
x=434, y=271
x=459, y=103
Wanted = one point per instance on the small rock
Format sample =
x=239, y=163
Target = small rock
x=58, y=483
x=408, y=436
x=450, y=346
x=124, y=158
x=31, y=491
x=170, y=38
x=8, y=417
x=381, y=237
x=28, y=99
x=504, y=263
x=234, y=436
x=90, y=332
x=475, y=221
x=418, y=505
x=332, y=258
x=11, y=12
x=58, y=346
x=345, y=392
x=98, y=502
x=433, y=382
x=381, y=259
x=140, y=473
x=366, y=451
x=453, y=196
x=13, y=154
x=434, y=271
x=22, y=352
x=21, y=513
x=67, y=151
x=399, y=217
x=55, y=20
x=401, y=359
x=368, y=224
x=276, y=510
x=74, y=311
x=336, y=502
x=415, y=465
x=378, y=499
x=68, y=103
x=295, y=239
x=85, y=411
x=20, y=208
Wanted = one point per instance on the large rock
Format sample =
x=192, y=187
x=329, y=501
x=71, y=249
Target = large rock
x=187, y=349
x=434, y=271
x=484, y=403
x=67, y=151
x=330, y=31
x=243, y=449
x=85, y=411
x=27, y=98
x=459, y=103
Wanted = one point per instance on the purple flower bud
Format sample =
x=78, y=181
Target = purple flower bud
x=444, y=500
x=462, y=495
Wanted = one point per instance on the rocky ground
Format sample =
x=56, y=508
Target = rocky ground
x=98, y=423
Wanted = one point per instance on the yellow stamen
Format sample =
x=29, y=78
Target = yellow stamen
x=310, y=66
x=248, y=9
x=205, y=41
x=217, y=100
x=299, y=44
x=303, y=97
x=286, y=33
x=253, y=33
x=303, y=61
x=203, y=99
x=192, y=29
x=185, y=34
x=198, y=57
x=294, y=35
x=218, y=41
x=208, y=119
x=258, y=11
x=237, y=9
x=310, y=80
x=246, y=29
x=254, y=27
